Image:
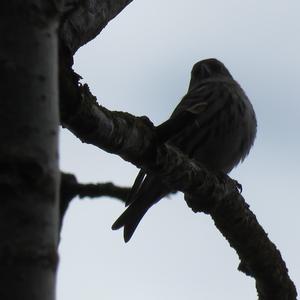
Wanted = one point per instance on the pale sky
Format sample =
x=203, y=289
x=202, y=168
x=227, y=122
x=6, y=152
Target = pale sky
x=141, y=64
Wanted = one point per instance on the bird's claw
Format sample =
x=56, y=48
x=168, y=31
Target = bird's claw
x=223, y=178
x=238, y=186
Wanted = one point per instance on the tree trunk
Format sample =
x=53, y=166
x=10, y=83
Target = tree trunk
x=29, y=177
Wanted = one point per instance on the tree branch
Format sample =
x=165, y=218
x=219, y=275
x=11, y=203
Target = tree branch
x=259, y=257
x=71, y=188
x=83, y=20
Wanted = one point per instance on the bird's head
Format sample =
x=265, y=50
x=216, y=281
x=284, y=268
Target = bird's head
x=208, y=69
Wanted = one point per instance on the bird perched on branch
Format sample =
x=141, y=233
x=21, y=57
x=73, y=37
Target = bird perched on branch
x=219, y=134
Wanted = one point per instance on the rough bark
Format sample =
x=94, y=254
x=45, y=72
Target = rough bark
x=259, y=257
x=84, y=19
x=29, y=177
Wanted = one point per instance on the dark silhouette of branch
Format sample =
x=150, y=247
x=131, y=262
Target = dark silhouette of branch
x=83, y=20
x=259, y=257
x=71, y=188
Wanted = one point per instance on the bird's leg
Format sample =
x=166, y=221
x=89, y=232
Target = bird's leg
x=223, y=178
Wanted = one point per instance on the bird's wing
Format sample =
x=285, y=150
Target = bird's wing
x=192, y=106
x=195, y=100
x=215, y=101
x=188, y=109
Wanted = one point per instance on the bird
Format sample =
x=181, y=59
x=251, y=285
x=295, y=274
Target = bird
x=214, y=124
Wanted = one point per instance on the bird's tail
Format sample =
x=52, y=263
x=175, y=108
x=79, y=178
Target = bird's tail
x=131, y=218
x=150, y=191
x=135, y=188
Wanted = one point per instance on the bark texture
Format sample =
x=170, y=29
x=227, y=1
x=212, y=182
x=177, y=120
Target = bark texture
x=29, y=177
x=84, y=19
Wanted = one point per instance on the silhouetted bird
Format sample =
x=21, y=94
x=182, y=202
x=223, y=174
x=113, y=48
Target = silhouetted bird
x=219, y=134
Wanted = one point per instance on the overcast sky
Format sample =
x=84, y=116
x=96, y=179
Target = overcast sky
x=141, y=63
